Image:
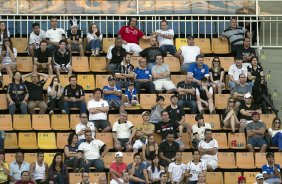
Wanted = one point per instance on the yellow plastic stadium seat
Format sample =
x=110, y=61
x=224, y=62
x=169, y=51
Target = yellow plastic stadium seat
x=62, y=139
x=220, y=46
x=260, y=159
x=108, y=159
x=186, y=140
x=135, y=61
x=11, y=141
x=6, y=80
x=250, y=177
x=27, y=140
x=204, y=44
x=158, y=138
x=75, y=178
x=221, y=139
x=187, y=157
x=107, y=138
x=214, y=178
x=278, y=157
x=86, y=81
x=102, y=80
x=237, y=141
x=22, y=122
x=30, y=157
x=231, y=177
x=214, y=120
x=20, y=44
x=167, y=99
x=221, y=100
x=6, y=122
x=144, y=43
x=179, y=42
x=41, y=122
x=10, y=157
x=60, y=122
x=128, y=157
x=147, y=100
x=24, y=64
x=80, y=64
x=113, y=118
x=226, y=62
x=267, y=119
x=98, y=64
x=88, y=96
x=3, y=102
x=74, y=120
x=173, y=62
x=135, y=118
x=64, y=79
x=226, y=160
x=48, y=158
x=107, y=42
x=245, y=160
x=208, y=61
x=177, y=78
x=190, y=118
x=46, y=140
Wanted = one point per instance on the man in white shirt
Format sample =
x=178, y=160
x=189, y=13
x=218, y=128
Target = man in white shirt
x=198, y=130
x=176, y=169
x=208, y=149
x=195, y=167
x=98, y=109
x=234, y=71
x=54, y=35
x=187, y=54
x=90, y=149
x=35, y=37
x=83, y=126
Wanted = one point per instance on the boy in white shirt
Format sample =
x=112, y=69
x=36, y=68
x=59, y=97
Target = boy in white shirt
x=195, y=167
x=176, y=169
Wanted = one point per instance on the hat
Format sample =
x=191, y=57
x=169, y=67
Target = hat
x=131, y=84
x=259, y=176
x=119, y=154
x=248, y=95
x=146, y=113
x=255, y=113
x=191, y=37
x=74, y=22
x=111, y=78
x=241, y=178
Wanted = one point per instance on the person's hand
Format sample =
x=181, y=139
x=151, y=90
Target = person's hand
x=24, y=102
x=206, y=103
x=86, y=161
x=147, y=182
x=43, y=180
x=73, y=99
x=55, y=84
x=44, y=65
x=3, y=52
x=12, y=102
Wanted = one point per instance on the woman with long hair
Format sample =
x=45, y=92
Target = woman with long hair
x=94, y=39
x=276, y=133
x=4, y=169
x=254, y=70
x=55, y=92
x=217, y=75
x=149, y=150
x=58, y=172
x=230, y=115
x=8, y=56
x=4, y=33
x=155, y=169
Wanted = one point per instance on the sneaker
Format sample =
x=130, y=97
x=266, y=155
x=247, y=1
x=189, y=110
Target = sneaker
x=76, y=170
x=82, y=170
x=63, y=112
x=51, y=112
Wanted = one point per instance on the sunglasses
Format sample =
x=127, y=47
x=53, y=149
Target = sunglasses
x=277, y=121
x=231, y=101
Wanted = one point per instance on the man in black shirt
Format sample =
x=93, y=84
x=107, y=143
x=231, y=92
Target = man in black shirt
x=75, y=37
x=43, y=58
x=245, y=52
x=74, y=96
x=62, y=59
x=35, y=90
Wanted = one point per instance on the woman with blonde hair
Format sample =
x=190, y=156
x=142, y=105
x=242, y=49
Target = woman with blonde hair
x=149, y=150
x=217, y=75
x=230, y=115
x=276, y=133
x=201, y=178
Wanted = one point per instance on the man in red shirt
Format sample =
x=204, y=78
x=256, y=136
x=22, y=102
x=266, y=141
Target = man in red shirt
x=130, y=36
x=117, y=168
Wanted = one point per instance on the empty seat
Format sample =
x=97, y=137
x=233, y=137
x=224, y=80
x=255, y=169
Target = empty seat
x=30, y=157
x=226, y=62
x=173, y=62
x=214, y=120
x=237, y=141
x=260, y=159
x=86, y=81
x=231, y=177
x=22, y=122
x=221, y=101
x=186, y=140
x=48, y=158
x=46, y=140
x=208, y=61
x=6, y=122
x=107, y=138
x=24, y=64
x=60, y=122
x=3, y=102
x=147, y=100
x=98, y=64
x=10, y=157
x=62, y=139
x=102, y=80
x=27, y=140
x=11, y=140
x=221, y=139
x=135, y=118
x=250, y=177
x=20, y=44
x=204, y=44
x=220, y=46
x=245, y=160
x=214, y=178
x=113, y=118
x=41, y=122
x=135, y=61
x=177, y=78
x=190, y=118
x=74, y=120
x=278, y=157
x=107, y=42
x=75, y=178
x=64, y=80
x=179, y=42
x=109, y=158
x=226, y=160
x=128, y=157
x=144, y=43
x=267, y=119
x=80, y=64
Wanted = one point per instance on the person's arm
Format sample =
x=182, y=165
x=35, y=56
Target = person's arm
x=25, y=76
x=106, y=150
x=164, y=158
x=31, y=169
x=36, y=61
x=146, y=175
x=170, y=174
x=115, y=175
x=144, y=152
x=221, y=79
x=211, y=77
x=115, y=136
x=133, y=132
x=45, y=76
x=260, y=131
x=68, y=153
x=12, y=56
x=245, y=113
x=144, y=37
x=250, y=132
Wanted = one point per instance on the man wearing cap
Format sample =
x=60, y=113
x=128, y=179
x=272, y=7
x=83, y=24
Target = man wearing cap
x=75, y=37
x=242, y=88
x=234, y=71
x=199, y=69
x=260, y=179
x=112, y=94
x=255, y=133
x=241, y=180
x=187, y=54
x=271, y=170
x=143, y=130
x=117, y=168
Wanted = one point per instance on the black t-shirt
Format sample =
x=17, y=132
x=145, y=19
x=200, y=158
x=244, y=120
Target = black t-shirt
x=117, y=55
x=43, y=56
x=151, y=52
x=169, y=151
x=35, y=90
x=77, y=92
x=62, y=59
x=72, y=36
x=253, y=107
x=175, y=114
x=165, y=127
x=17, y=92
x=241, y=52
x=254, y=72
x=216, y=75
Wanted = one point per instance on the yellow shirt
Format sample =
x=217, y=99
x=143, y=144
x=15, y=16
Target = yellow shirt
x=3, y=175
x=145, y=127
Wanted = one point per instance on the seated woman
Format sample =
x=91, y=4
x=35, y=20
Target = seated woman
x=154, y=170
x=276, y=133
x=254, y=70
x=4, y=32
x=94, y=39
x=217, y=75
x=230, y=115
x=4, y=168
x=58, y=172
x=8, y=57
x=55, y=92
x=149, y=150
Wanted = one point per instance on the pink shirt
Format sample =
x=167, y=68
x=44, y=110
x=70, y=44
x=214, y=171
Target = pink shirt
x=131, y=35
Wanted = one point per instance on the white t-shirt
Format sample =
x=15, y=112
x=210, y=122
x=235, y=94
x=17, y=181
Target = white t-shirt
x=55, y=35
x=208, y=145
x=99, y=116
x=176, y=170
x=165, y=41
x=194, y=169
x=273, y=132
x=189, y=53
x=91, y=150
x=81, y=126
x=109, y=53
x=156, y=174
x=123, y=130
x=235, y=72
x=7, y=58
x=34, y=38
x=201, y=130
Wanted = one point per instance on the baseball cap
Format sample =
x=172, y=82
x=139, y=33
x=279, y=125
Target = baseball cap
x=259, y=176
x=247, y=95
x=119, y=154
x=146, y=113
x=191, y=37
x=255, y=113
x=241, y=178
x=111, y=78
x=131, y=84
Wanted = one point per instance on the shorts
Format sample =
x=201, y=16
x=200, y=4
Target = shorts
x=100, y=124
x=7, y=61
x=75, y=46
x=212, y=162
x=114, y=103
x=138, y=144
x=164, y=84
x=123, y=141
x=56, y=65
x=256, y=142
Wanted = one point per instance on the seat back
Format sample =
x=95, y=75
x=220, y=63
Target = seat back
x=267, y=119
x=107, y=138
x=86, y=81
x=220, y=46
x=60, y=122
x=80, y=64
x=27, y=140
x=6, y=122
x=48, y=158
x=11, y=140
x=204, y=44
x=226, y=160
x=221, y=101
x=24, y=64
x=214, y=178
x=98, y=64
x=179, y=42
x=214, y=120
x=22, y=122
x=231, y=177
x=20, y=44
x=221, y=139
x=74, y=120
x=245, y=160
x=147, y=100
x=237, y=141
x=260, y=159
x=226, y=62
x=41, y=122
x=46, y=140
x=102, y=80
x=177, y=78
x=173, y=63
x=250, y=177
x=62, y=139
x=3, y=102
x=30, y=157
x=144, y=43
x=64, y=80
x=107, y=42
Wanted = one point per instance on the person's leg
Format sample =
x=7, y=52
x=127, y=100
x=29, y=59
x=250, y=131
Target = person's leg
x=250, y=145
x=151, y=87
x=211, y=106
x=31, y=50
x=67, y=106
x=193, y=105
x=98, y=46
x=105, y=125
x=182, y=146
x=136, y=49
x=137, y=145
x=200, y=107
x=128, y=148
x=99, y=165
x=52, y=104
x=43, y=107
x=31, y=105
x=231, y=85
x=163, y=48
x=12, y=109
x=117, y=146
x=184, y=67
x=243, y=125
x=81, y=50
x=261, y=142
x=23, y=108
x=60, y=104
x=111, y=68
x=137, y=85
x=170, y=87
x=82, y=106
x=9, y=70
x=195, y=143
x=181, y=103
x=82, y=165
x=171, y=49
x=158, y=86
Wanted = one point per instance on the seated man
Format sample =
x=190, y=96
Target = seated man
x=75, y=37
x=204, y=96
x=271, y=170
x=25, y=179
x=38, y=169
x=117, y=168
x=176, y=169
x=195, y=167
x=246, y=52
x=234, y=71
x=43, y=58
x=35, y=37
x=82, y=126
x=138, y=171
x=199, y=70
x=157, y=109
x=255, y=133
x=198, y=130
x=241, y=89
x=85, y=178
x=62, y=59
x=17, y=167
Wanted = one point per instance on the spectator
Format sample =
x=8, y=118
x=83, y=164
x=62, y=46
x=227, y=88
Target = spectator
x=204, y=96
x=168, y=149
x=230, y=116
x=157, y=109
x=154, y=170
x=187, y=54
x=143, y=131
x=98, y=109
x=201, y=178
x=208, y=149
x=83, y=126
x=17, y=94
x=54, y=35
x=75, y=37
x=217, y=75
x=85, y=178
x=125, y=177
x=143, y=78
x=276, y=133
x=38, y=170
x=94, y=39
x=42, y=58
x=124, y=72
x=8, y=57
x=123, y=133
x=195, y=167
x=163, y=178
x=246, y=52
x=130, y=36
x=4, y=167
x=187, y=93
x=4, y=32
x=91, y=150
x=234, y=71
x=150, y=53
x=112, y=94
x=62, y=59
x=35, y=38
x=115, y=55
x=165, y=38
x=150, y=150
x=55, y=92
x=17, y=167
x=161, y=75
x=35, y=90
x=117, y=168
x=71, y=156
x=74, y=96
x=103, y=179
x=176, y=169
x=235, y=35
x=137, y=170
x=260, y=179
x=131, y=98
x=241, y=180
x=25, y=179
x=271, y=170
x=198, y=130
x=58, y=171
x=255, y=133
x=199, y=70
x=254, y=69
x=241, y=89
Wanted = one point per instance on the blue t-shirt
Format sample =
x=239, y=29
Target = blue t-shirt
x=199, y=73
x=130, y=94
x=138, y=171
x=111, y=96
x=270, y=170
x=142, y=73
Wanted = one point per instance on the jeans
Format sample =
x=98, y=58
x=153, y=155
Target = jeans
x=232, y=85
x=112, y=67
x=122, y=84
x=52, y=104
x=77, y=163
x=61, y=179
x=273, y=181
x=185, y=66
x=80, y=104
x=277, y=140
x=94, y=45
x=22, y=106
x=149, y=86
x=189, y=103
x=97, y=163
x=2, y=138
x=168, y=48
